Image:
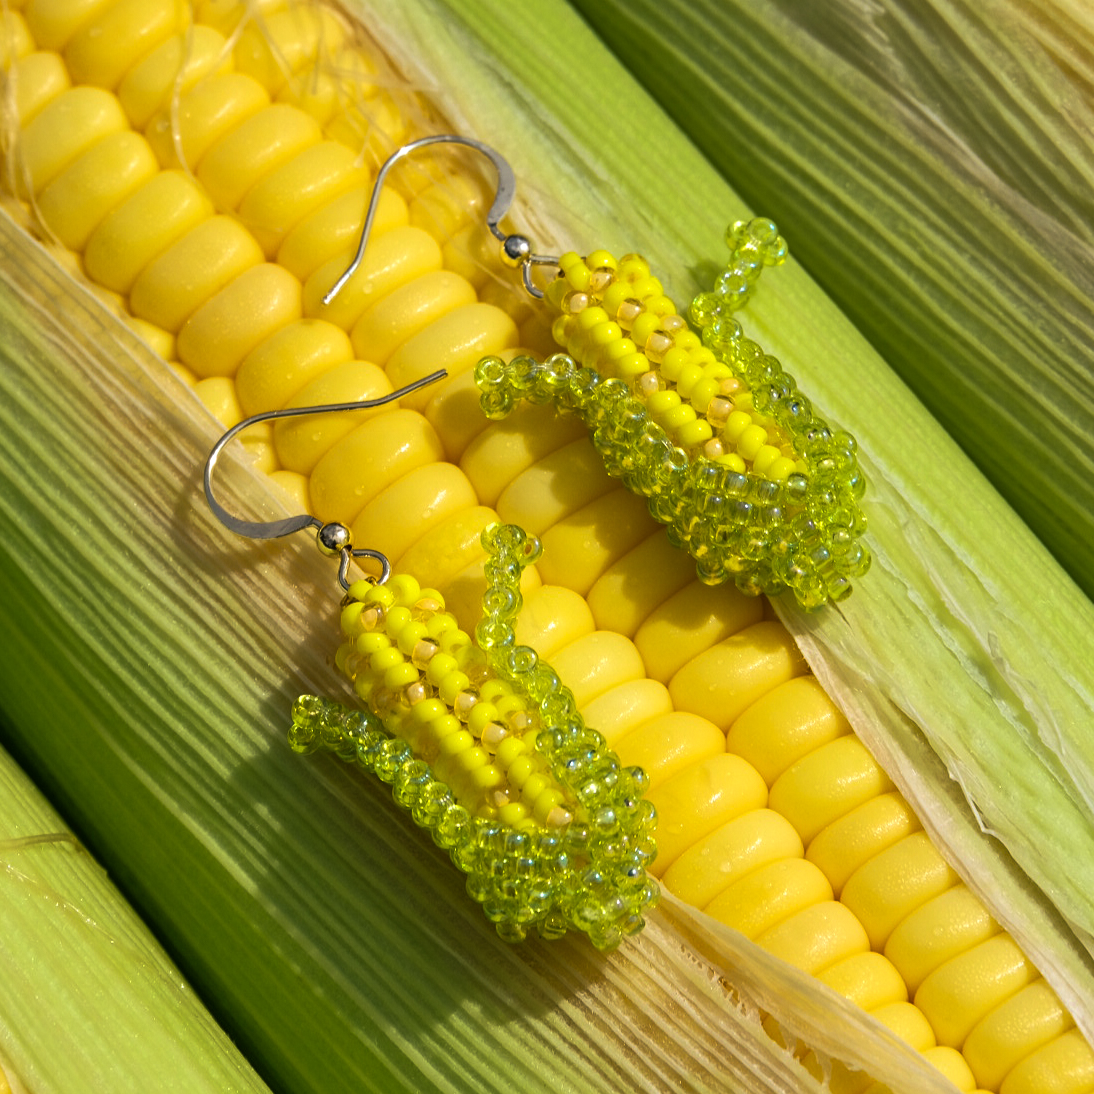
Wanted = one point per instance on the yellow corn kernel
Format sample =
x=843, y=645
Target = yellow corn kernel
x=399, y=516
x=208, y=112
x=787, y=723
x=368, y=459
x=690, y=622
x=699, y=799
x=907, y=1022
x=63, y=130
x=827, y=783
x=295, y=488
x=161, y=342
x=117, y=37
x=175, y=65
x=498, y=454
x=455, y=342
x=331, y=231
x=724, y=680
x=763, y=898
x=302, y=442
x=963, y=990
x=596, y=663
x=625, y=707
x=453, y=408
x=253, y=149
x=191, y=271
x=580, y=547
x=1063, y=1066
x=443, y=208
x=841, y=847
x=551, y=619
x=322, y=92
x=285, y=42
x=142, y=227
x=636, y=585
x=896, y=882
x=1028, y=1020
x=76, y=201
x=952, y=1064
x=407, y=311
x=741, y=845
x=869, y=980
x=554, y=487
x=393, y=259
x=275, y=370
x=259, y=302
x=37, y=80
x=286, y=195
x=941, y=929
x=814, y=937
x=54, y=22
x=669, y=744
x=218, y=393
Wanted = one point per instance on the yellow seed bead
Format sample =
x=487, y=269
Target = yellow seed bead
x=660, y=403
x=533, y=786
x=765, y=897
x=398, y=676
x=812, y=938
x=452, y=685
x=703, y=393
x=473, y=759
x=384, y=658
x=441, y=665
x=255, y=148
x=596, y=663
x=405, y=511
x=499, y=454
x=331, y=232
x=285, y=42
x=666, y=745
x=841, y=847
x=275, y=370
x=786, y=724
x=106, y=47
x=625, y=707
x=554, y=487
x=142, y=227
x=581, y=547
x=64, y=130
x=520, y=770
x=758, y=838
x=78, y=199
x=960, y=992
x=219, y=335
x=513, y=814
x=1028, y=1020
x=176, y=64
x=827, y=783
x=209, y=111
x=482, y=714
x=428, y=711
x=691, y=621
x=308, y=181
x=869, y=980
x=191, y=271
x=765, y=459
x=751, y=440
x=302, y=442
x=694, y=432
x=780, y=469
x=638, y=583
x=370, y=458
x=509, y=751
x=455, y=743
x=676, y=417
x=1063, y=1066
x=407, y=311
x=455, y=342
x=546, y=803
x=736, y=424
x=36, y=80
x=723, y=681
x=486, y=776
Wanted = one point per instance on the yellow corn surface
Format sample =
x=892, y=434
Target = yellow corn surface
x=211, y=176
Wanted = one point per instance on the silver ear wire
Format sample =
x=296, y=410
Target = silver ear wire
x=516, y=250
x=334, y=539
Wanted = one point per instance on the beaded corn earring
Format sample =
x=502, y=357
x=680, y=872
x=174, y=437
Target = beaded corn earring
x=732, y=458
x=478, y=738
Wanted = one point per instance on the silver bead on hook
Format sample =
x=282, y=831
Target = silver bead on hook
x=516, y=250
x=333, y=539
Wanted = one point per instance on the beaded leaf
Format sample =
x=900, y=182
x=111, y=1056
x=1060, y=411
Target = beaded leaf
x=484, y=746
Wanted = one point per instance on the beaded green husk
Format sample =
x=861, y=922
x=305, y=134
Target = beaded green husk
x=658, y=399
x=576, y=856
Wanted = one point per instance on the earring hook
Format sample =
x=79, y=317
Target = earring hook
x=333, y=538
x=516, y=250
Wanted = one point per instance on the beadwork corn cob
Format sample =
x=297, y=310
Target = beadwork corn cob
x=223, y=271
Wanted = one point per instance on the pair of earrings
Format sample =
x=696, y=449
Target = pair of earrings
x=478, y=737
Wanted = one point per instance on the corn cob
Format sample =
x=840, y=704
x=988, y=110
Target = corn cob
x=488, y=461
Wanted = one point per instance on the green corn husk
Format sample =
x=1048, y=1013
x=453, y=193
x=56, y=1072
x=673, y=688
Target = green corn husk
x=89, y=999
x=152, y=658
x=932, y=166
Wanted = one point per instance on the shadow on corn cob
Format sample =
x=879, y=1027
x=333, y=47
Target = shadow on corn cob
x=792, y=834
